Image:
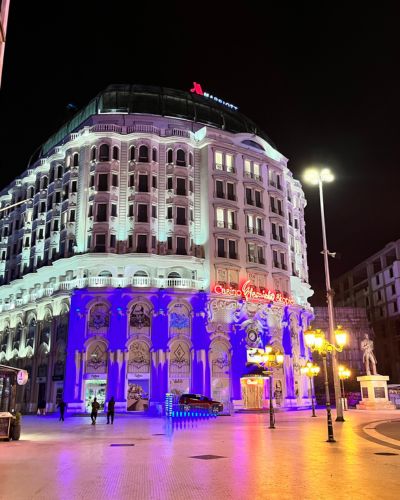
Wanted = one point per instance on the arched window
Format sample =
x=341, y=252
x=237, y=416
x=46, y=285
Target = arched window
x=52, y=174
x=143, y=153
x=75, y=158
x=169, y=156
x=59, y=172
x=104, y=153
x=140, y=274
x=174, y=276
x=181, y=158
x=45, y=182
x=99, y=318
x=17, y=337
x=132, y=154
x=115, y=153
x=93, y=154
x=154, y=154
x=105, y=274
x=30, y=334
x=191, y=159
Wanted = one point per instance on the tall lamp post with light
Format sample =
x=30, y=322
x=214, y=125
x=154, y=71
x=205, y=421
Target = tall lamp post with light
x=317, y=177
x=311, y=370
x=316, y=342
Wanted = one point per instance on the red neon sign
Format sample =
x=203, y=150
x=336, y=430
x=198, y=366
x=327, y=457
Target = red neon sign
x=197, y=89
x=248, y=292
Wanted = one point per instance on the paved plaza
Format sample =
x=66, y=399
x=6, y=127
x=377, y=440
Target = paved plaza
x=235, y=457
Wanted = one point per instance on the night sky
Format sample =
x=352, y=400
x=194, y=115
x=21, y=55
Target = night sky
x=323, y=83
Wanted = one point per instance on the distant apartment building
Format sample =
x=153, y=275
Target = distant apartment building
x=354, y=320
x=375, y=285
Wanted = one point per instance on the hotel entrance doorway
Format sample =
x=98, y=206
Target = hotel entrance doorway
x=95, y=389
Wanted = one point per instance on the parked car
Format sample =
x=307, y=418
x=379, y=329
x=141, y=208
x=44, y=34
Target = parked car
x=201, y=402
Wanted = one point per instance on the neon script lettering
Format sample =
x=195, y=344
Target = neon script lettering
x=248, y=292
x=198, y=90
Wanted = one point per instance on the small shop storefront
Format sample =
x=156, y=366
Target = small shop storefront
x=95, y=387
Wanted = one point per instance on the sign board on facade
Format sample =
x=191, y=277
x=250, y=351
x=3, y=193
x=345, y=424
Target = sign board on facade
x=198, y=90
x=248, y=292
x=96, y=376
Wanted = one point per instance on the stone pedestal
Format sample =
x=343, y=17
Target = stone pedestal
x=374, y=393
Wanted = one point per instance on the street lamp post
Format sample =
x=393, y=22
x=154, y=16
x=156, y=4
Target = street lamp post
x=311, y=371
x=316, y=177
x=316, y=341
x=344, y=374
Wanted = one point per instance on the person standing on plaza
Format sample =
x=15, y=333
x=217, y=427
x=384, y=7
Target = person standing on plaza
x=95, y=409
x=110, y=410
x=62, y=405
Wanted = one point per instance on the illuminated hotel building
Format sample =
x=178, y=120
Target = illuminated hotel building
x=162, y=237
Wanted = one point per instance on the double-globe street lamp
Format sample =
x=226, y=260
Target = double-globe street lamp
x=344, y=374
x=316, y=342
x=268, y=359
x=317, y=177
x=311, y=370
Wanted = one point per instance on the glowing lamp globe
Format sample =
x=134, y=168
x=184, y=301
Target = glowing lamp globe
x=279, y=358
x=341, y=336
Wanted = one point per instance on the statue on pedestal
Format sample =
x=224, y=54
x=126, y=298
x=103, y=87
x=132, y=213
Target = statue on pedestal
x=367, y=346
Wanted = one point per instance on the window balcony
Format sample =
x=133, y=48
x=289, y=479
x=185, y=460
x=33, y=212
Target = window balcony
x=249, y=201
x=231, y=197
x=219, y=194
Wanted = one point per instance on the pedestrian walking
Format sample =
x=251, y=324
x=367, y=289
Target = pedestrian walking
x=62, y=405
x=95, y=409
x=110, y=410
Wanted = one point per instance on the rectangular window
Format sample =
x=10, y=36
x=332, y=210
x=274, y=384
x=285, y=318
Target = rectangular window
x=143, y=183
x=74, y=186
x=101, y=212
x=218, y=160
x=220, y=247
x=142, y=213
x=247, y=167
x=56, y=225
x=181, y=186
x=281, y=237
x=47, y=230
x=191, y=215
x=274, y=232
x=260, y=255
x=181, y=246
x=191, y=186
x=112, y=241
x=169, y=183
x=219, y=188
x=58, y=197
x=256, y=170
x=154, y=211
x=181, y=216
x=141, y=243
x=296, y=224
x=280, y=211
x=114, y=210
x=153, y=242
x=103, y=182
x=91, y=182
x=42, y=207
x=131, y=180
x=72, y=216
x=154, y=182
x=169, y=242
x=229, y=163
x=100, y=243
x=230, y=191
x=130, y=241
x=275, y=257
x=114, y=180
x=258, y=199
x=130, y=211
x=283, y=265
x=232, y=249
x=169, y=212
x=249, y=197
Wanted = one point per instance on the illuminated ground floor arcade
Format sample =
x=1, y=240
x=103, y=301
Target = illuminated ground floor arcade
x=139, y=345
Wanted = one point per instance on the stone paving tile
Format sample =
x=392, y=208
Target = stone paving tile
x=74, y=460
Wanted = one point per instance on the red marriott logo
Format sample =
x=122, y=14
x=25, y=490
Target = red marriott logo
x=248, y=292
x=198, y=90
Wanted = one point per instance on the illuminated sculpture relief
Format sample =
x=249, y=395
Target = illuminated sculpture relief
x=99, y=318
x=97, y=358
x=139, y=319
x=179, y=319
x=139, y=358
